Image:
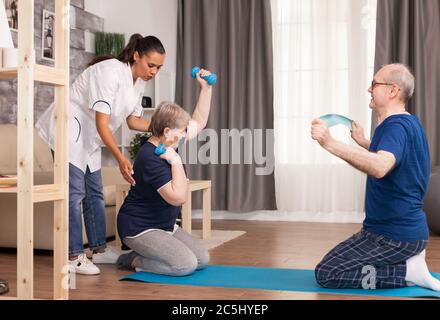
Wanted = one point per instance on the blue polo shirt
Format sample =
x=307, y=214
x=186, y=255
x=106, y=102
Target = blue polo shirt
x=144, y=208
x=394, y=204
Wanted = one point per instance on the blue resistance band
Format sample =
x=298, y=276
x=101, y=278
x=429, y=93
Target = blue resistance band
x=336, y=119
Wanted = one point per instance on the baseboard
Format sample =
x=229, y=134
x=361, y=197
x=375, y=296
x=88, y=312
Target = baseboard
x=37, y=252
x=45, y=252
x=337, y=217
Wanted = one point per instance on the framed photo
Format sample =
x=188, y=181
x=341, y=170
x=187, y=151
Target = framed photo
x=47, y=35
x=11, y=7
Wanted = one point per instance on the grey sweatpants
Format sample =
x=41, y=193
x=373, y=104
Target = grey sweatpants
x=160, y=252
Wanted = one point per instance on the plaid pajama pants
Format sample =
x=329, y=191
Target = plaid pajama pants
x=367, y=261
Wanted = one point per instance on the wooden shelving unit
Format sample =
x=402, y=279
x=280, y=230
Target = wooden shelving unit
x=42, y=74
x=27, y=194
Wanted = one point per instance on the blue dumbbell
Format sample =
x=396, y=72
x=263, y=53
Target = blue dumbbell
x=160, y=150
x=211, y=79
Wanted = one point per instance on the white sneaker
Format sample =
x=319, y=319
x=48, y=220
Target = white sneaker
x=82, y=265
x=109, y=256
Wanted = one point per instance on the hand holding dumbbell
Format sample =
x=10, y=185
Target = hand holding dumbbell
x=211, y=79
x=168, y=154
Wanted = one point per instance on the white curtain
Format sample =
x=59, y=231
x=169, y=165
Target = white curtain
x=324, y=62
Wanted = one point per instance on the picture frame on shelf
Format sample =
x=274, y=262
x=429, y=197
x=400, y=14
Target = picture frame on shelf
x=48, y=35
x=11, y=7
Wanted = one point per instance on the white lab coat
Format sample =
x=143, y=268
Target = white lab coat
x=106, y=87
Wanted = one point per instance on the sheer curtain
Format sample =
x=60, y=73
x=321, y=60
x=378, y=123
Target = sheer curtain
x=323, y=63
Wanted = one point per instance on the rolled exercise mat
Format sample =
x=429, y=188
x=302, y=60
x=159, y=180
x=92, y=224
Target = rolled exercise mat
x=4, y=288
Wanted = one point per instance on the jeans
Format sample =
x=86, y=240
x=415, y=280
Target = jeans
x=86, y=189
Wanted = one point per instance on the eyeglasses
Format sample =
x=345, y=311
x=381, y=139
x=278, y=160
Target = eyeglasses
x=374, y=84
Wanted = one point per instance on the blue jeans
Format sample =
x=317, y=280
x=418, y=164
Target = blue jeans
x=86, y=189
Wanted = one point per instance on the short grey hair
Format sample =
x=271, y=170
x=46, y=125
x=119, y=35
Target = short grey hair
x=168, y=115
x=402, y=76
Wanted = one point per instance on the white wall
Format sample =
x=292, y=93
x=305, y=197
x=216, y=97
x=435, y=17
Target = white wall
x=94, y=6
x=147, y=17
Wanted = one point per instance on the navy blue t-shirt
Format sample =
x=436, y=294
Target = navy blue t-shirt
x=144, y=208
x=394, y=204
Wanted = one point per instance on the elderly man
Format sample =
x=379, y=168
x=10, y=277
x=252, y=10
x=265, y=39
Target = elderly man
x=389, y=252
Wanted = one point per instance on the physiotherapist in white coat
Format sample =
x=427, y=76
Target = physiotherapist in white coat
x=107, y=93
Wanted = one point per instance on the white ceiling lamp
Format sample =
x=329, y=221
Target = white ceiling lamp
x=5, y=32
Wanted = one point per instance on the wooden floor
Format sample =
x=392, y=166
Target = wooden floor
x=265, y=244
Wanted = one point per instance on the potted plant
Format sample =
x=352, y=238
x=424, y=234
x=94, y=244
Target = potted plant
x=109, y=43
x=137, y=142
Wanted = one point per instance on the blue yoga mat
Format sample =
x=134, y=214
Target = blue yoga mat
x=271, y=279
